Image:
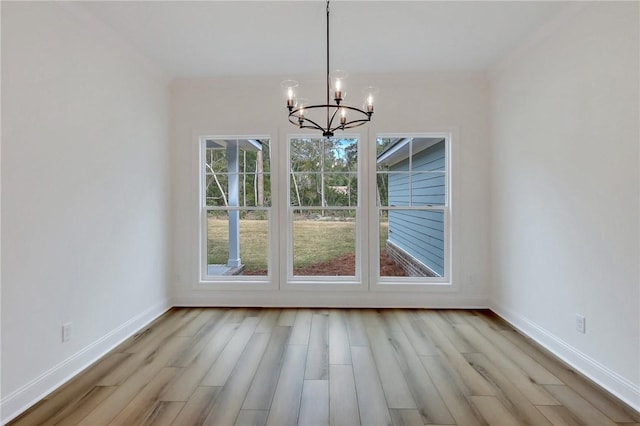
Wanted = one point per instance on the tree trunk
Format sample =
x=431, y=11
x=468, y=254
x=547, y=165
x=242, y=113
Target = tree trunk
x=295, y=184
x=224, y=197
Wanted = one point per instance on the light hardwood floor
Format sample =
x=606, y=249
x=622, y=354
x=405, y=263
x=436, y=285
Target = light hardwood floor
x=318, y=367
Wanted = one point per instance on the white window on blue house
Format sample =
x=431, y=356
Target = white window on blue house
x=236, y=191
x=413, y=207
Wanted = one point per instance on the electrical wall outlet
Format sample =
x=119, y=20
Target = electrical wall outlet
x=66, y=331
x=580, y=324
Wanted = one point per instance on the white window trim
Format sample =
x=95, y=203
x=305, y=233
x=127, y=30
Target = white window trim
x=234, y=282
x=279, y=228
x=413, y=284
x=325, y=283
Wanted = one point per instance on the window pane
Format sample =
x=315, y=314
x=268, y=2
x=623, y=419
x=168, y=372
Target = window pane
x=246, y=252
x=428, y=154
x=217, y=190
x=255, y=156
x=412, y=243
x=237, y=172
x=306, y=190
x=393, y=154
x=341, y=155
x=324, y=242
x=306, y=155
x=215, y=159
x=428, y=188
x=341, y=189
x=255, y=189
x=411, y=189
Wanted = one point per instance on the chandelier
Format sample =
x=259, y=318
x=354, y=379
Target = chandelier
x=328, y=117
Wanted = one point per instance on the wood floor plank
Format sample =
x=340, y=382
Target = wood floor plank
x=416, y=334
x=73, y=413
x=252, y=418
x=268, y=320
x=121, y=397
x=405, y=417
x=580, y=407
x=371, y=401
x=559, y=415
x=263, y=386
x=197, y=408
x=604, y=402
x=144, y=401
x=190, y=377
x=493, y=411
x=314, y=407
x=222, y=367
x=534, y=370
x=476, y=384
x=163, y=413
x=339, y=352
x=355, y=328
x=74, y=392
x=286, y=400
x=507, y=393
x=343, y=403
x=287, y=317
x=426, y=396
x=455, y=399
x=201, y=339
x=301, y=328
x=238, y=315
x=395, y=386
x=148, y=345
x=535, y=393
x=173, y=321
x=228, y=403
x=317, y=367
x=197, y=323
x=450, y=330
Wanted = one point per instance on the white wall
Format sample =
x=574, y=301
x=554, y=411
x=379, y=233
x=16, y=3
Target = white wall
x=411, y=103
x=85, y=187
x=565, y=181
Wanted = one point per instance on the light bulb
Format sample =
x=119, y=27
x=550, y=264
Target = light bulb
x=289, y=87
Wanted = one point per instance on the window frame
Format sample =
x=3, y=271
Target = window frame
x=411, y=284
x=235, y=282
x=358, y=282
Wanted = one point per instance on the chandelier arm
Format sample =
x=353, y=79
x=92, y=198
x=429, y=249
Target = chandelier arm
x=355, y=123
x=349, y=125
x=315, y=125
x=330, y=122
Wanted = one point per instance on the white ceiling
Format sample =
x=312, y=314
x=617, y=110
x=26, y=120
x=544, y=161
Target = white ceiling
x=217, y=38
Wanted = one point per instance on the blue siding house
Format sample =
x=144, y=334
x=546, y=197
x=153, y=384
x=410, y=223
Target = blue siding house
x=416, y=177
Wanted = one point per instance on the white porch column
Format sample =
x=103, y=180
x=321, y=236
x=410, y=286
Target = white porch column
x=234, y=201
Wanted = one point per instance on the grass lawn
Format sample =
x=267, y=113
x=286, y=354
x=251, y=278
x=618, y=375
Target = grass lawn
x=315, y=241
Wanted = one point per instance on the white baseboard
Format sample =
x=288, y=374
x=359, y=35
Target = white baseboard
x=614, y=383
x=316, y=299
x=27, y=395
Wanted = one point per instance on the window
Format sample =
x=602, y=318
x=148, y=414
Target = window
x=323, y=209
x=412, y=208
x=322, y=220
x=236, y=200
